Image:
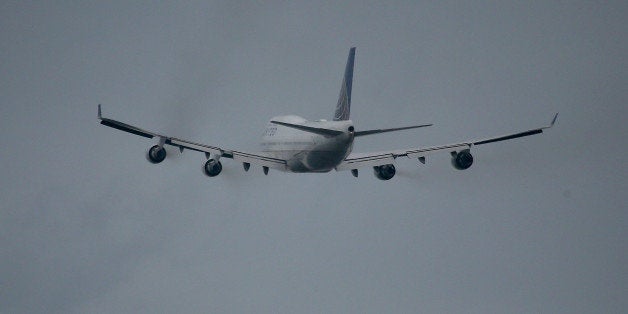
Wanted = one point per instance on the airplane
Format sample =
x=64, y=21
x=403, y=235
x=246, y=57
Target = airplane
x=293, y=144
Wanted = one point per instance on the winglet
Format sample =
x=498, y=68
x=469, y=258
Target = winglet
x=551, y=123
x=517, y=135
x=99, y=112
x=554, y=120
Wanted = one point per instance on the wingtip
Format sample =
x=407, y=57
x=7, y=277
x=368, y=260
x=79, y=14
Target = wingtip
x=99, y=112
x=554, y=120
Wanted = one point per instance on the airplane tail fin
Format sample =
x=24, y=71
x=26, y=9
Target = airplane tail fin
x=343, y=108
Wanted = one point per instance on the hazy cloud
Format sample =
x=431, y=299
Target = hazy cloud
x=536, y=225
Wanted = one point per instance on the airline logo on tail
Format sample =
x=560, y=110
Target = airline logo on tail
x=343, y=108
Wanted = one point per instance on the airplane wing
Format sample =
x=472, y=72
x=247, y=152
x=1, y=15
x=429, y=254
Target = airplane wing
x=359, y=160
x=244, y=157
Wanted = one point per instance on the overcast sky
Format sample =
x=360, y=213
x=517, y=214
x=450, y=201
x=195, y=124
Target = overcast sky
x=536, y=225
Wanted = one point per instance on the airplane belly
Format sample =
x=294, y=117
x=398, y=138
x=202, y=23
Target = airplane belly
x=315, y=161
x=305, y=152
x=297, y=164
x=323, y=160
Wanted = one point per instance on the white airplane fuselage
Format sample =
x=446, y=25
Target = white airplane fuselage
x=307, y=151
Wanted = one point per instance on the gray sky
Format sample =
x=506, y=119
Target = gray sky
x=536, y=225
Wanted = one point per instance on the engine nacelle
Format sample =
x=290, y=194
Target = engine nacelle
x=384, y=172
x=212, y=168
x=156, y=154
x=462, y=160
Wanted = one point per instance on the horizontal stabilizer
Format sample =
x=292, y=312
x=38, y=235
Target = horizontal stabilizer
x=377, y=131
x=310, y=129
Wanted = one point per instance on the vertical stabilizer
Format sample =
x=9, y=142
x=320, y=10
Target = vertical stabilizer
x=343, y=108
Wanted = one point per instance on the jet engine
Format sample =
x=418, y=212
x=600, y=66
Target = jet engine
x=156, y=154
x=212, y=167
x=384, y=172
x=462, y=160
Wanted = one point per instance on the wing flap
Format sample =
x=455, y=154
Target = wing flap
x=126, y=128
x=359, y=160
x=517, y=135
x=422, y=152
x=508, y=137
x=195, y=146
x=355, y=161
x=259, y=159
x=251, y=158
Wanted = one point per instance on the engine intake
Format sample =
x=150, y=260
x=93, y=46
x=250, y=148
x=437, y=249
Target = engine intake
x=212, y=168
x=462, y=160
x=156, y=154
x=384, y=172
